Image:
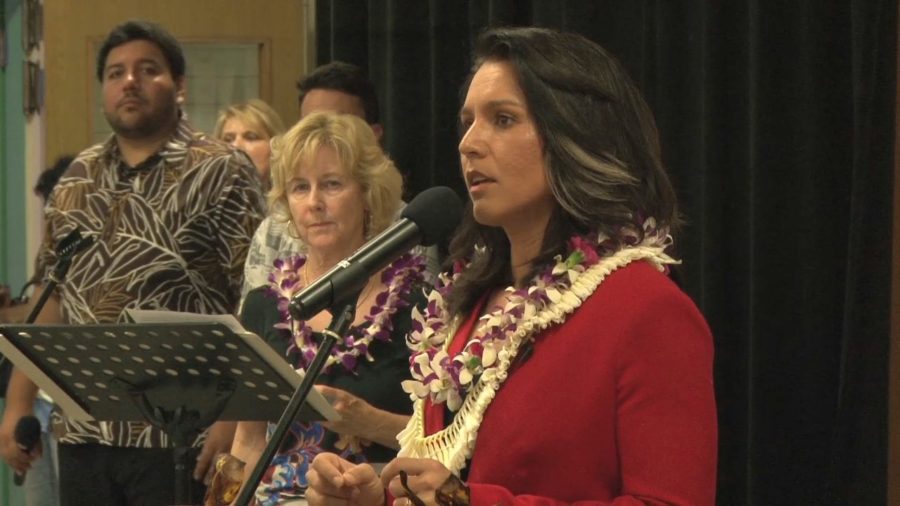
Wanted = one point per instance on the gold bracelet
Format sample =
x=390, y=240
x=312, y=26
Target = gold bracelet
x=226, y=482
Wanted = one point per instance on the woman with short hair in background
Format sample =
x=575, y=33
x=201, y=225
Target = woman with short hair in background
x=249, y=126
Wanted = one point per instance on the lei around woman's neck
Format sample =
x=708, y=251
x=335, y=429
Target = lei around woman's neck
x=469, y=381
x=400, y=278
x=443, y=378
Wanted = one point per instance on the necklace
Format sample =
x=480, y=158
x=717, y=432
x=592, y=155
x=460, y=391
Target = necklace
x=469, y=380
x=399, y=279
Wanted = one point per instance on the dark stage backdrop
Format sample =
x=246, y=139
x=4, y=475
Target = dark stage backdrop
x=777, y=122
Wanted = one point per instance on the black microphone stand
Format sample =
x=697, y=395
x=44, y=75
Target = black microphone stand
x=340, y=322
x=65, y=251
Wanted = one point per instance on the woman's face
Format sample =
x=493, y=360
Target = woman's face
x=250, y=141
x=327, y=206
x=501, y=153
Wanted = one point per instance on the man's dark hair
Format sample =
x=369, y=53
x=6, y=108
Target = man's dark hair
x=48, y=179
x=346, y=78
x=143, y=30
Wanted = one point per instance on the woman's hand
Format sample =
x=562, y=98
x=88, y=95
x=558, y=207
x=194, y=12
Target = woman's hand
x=335, y=481
x=218, y=440
x=424, y=478
x=355, y=412
x=361, y=419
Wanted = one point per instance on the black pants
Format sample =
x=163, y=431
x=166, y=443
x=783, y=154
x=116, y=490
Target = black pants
x=98, y=475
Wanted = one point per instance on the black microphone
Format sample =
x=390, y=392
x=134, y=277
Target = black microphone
x=66, y=249
x=73, y=243
x=430, y=217
x=27, y=434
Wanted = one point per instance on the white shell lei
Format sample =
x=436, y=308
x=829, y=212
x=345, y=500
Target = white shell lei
x=453, y=445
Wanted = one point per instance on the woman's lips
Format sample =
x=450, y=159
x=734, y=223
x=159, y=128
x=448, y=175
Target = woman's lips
x=477, y=181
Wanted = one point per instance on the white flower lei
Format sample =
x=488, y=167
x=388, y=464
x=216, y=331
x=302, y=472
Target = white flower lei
x=568, y=288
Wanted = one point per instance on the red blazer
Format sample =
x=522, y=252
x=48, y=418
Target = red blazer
x=615, y=406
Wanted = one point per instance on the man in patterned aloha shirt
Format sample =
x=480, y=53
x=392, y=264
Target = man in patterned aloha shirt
x=171, y=212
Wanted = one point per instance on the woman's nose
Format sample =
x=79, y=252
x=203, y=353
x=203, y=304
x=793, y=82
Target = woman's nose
x=315, y=198
x=471, y=143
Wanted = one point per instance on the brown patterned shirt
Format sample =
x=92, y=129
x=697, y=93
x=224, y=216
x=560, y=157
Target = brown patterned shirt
x=171, y=233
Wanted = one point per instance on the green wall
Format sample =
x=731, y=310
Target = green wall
x=14, y=269
x=3, y=210
x=14, y=266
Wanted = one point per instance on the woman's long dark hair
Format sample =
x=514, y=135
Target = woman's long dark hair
x=601, y=150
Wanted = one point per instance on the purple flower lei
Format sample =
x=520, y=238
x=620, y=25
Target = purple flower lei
x=444, y=378
x=400, y=277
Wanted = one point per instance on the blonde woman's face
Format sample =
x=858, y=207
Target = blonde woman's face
x=327, y=206
x=250, y=141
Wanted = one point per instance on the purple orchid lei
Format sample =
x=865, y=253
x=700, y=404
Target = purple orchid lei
x=400, y=278
x=444, y=378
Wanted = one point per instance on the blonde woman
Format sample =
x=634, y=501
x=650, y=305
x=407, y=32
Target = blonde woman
x=249, y=126
x=335, y=188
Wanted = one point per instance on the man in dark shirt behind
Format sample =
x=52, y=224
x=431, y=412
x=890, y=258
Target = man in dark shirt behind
x=171, y=213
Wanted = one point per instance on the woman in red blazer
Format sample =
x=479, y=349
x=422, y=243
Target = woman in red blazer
x=556, y=363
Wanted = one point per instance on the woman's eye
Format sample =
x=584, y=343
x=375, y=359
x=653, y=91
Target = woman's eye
x=251, y=136
x=505, y=120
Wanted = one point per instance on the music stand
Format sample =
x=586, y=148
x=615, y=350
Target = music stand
x=178, y=377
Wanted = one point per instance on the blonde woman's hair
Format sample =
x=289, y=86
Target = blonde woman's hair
x=357, y=150
x=255, y=114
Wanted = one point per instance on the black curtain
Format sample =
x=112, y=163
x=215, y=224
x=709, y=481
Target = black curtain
x=777, y=122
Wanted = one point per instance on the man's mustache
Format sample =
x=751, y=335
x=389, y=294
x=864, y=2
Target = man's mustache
x=131, y=97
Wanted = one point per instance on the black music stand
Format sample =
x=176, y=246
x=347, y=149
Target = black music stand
x=178, y=377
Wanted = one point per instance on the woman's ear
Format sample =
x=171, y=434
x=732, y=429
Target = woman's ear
x=378, y=130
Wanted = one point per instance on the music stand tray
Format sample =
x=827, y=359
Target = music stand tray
x=179, y=377
x=88, y=370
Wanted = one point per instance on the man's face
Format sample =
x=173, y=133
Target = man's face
x=140, y=96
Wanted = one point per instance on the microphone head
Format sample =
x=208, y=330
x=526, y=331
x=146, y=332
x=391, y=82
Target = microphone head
x=436, y=211
x=28, y=431
x=67, y=244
